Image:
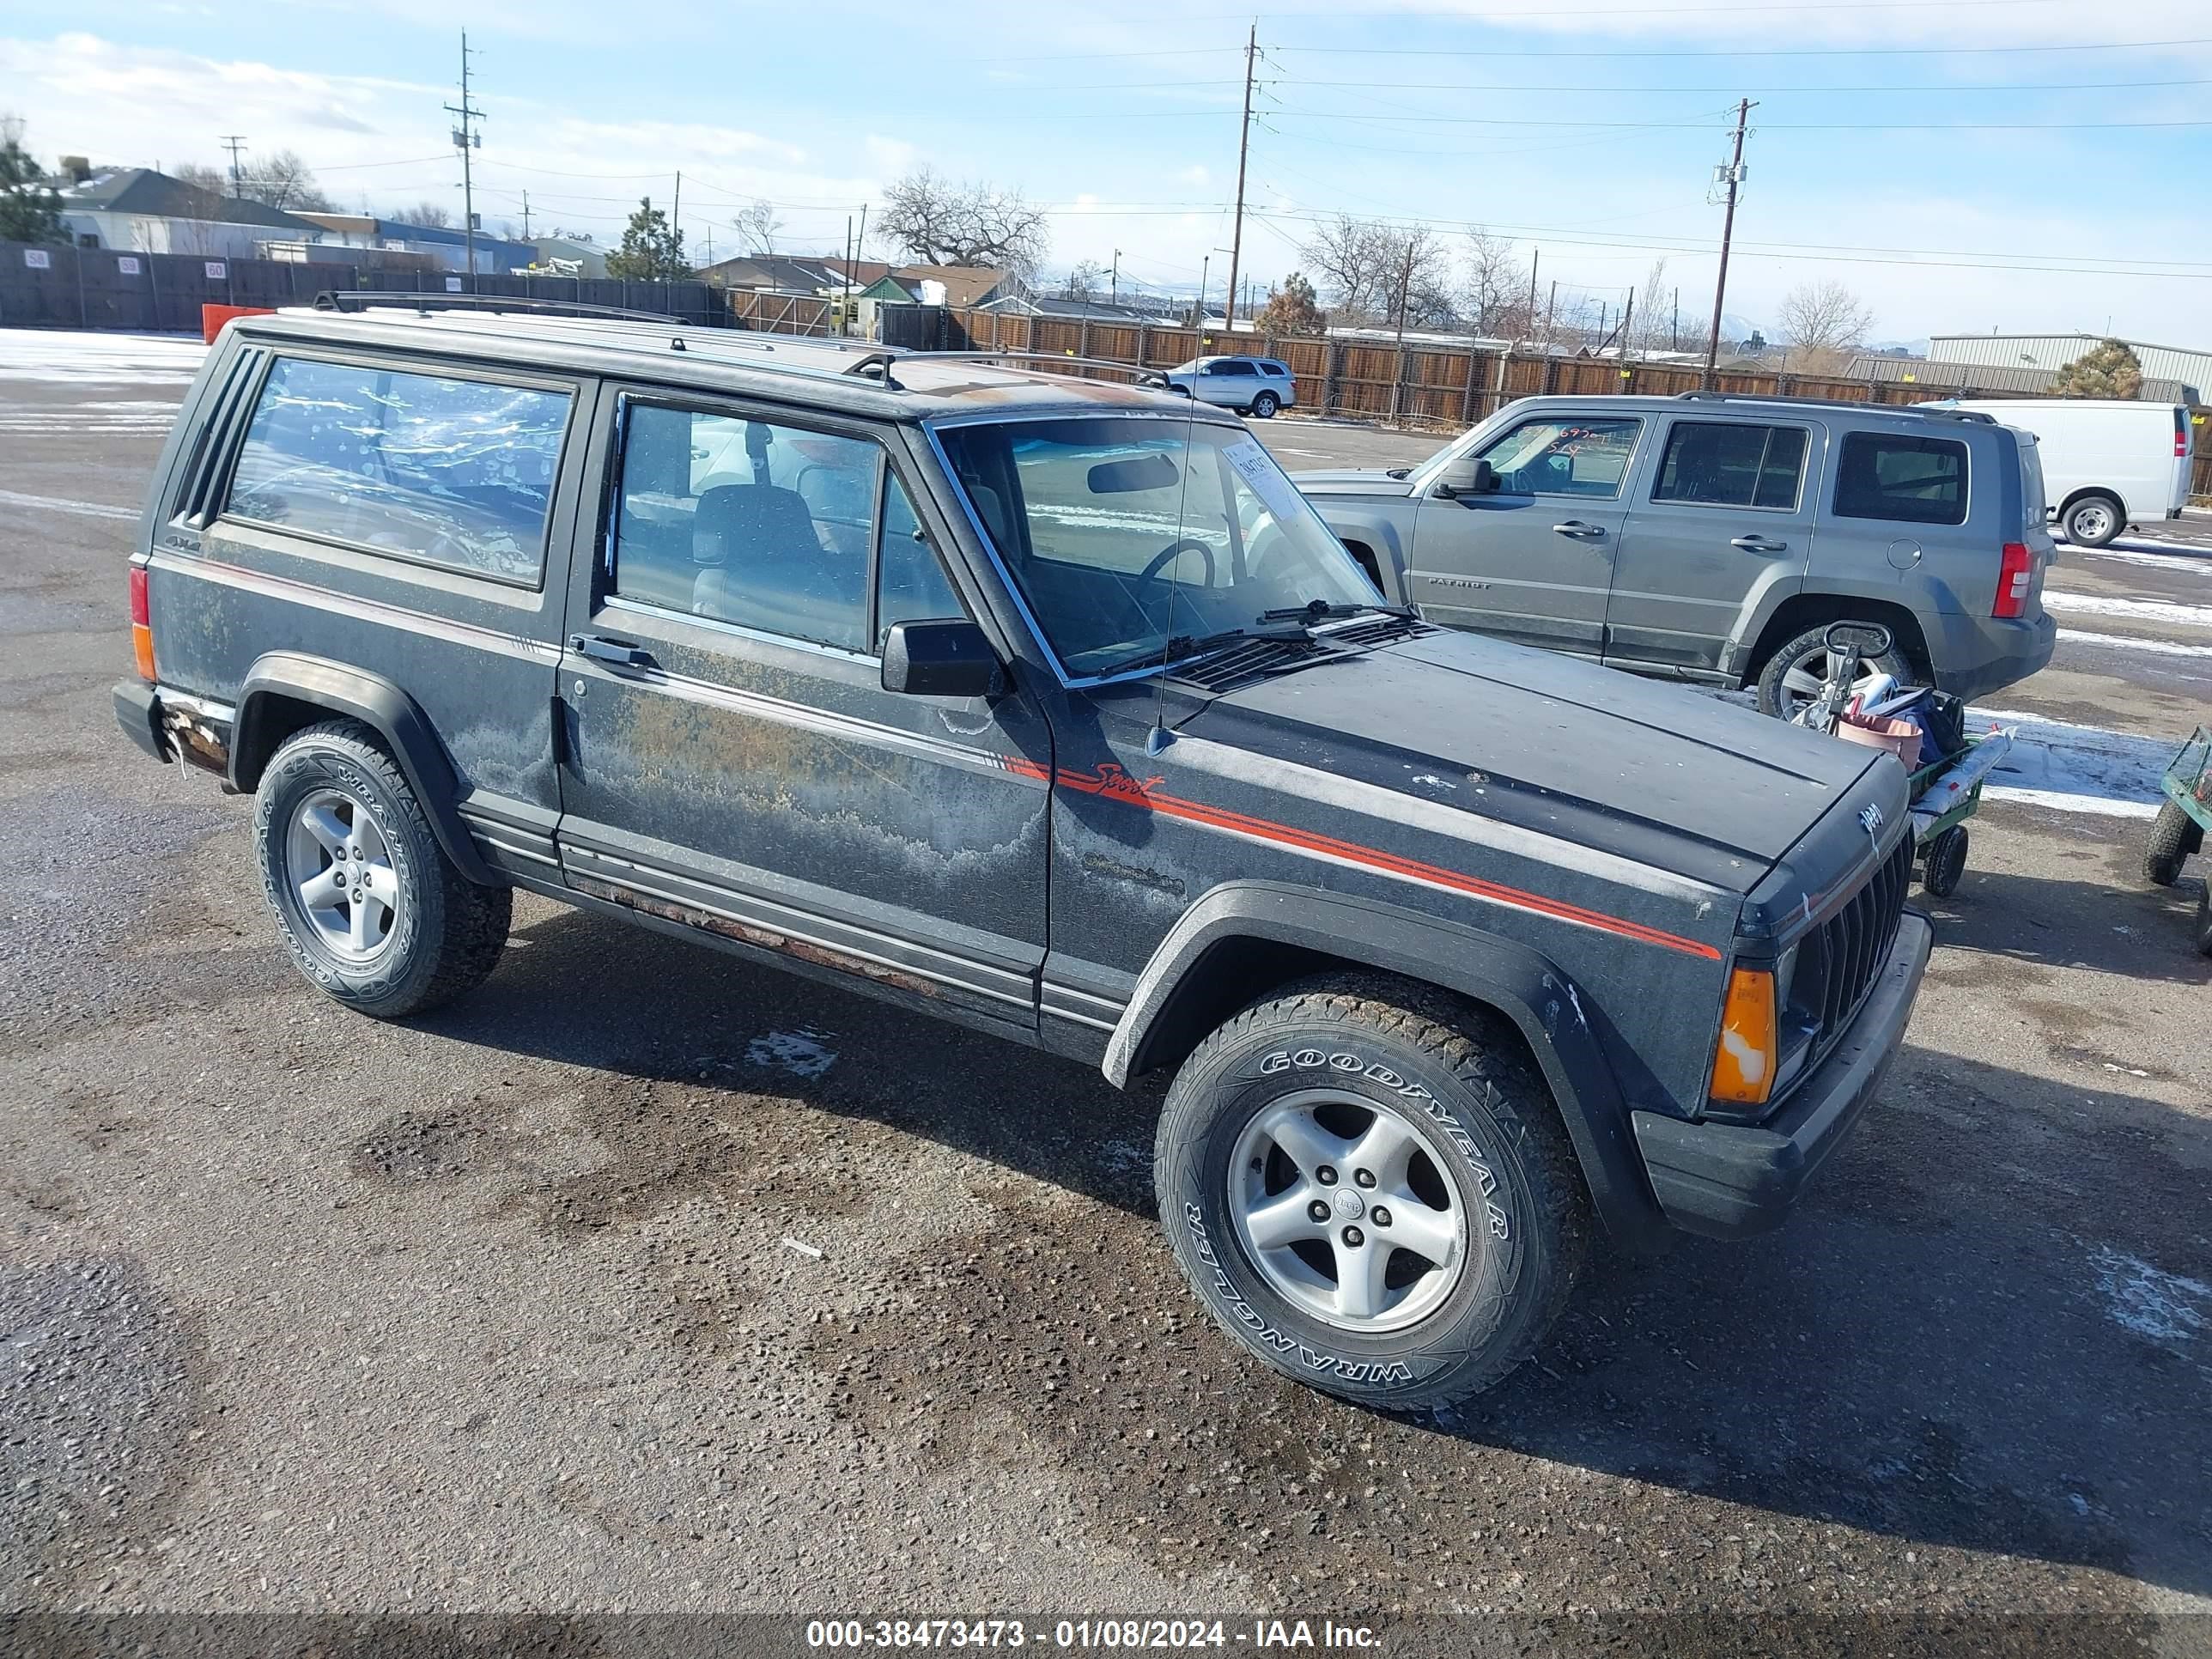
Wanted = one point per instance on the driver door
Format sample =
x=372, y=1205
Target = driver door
x=1531, y=560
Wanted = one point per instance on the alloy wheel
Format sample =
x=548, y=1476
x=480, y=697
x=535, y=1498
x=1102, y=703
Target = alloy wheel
x=339, y=866
x=1346, y=1210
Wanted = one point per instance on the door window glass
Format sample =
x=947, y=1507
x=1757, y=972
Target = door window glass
x=1562, y=457
x=1910, y=479
x=457, y=473
x=910, y=583
x=744, y=521
x=1731, y=464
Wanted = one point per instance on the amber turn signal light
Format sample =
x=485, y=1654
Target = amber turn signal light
x=1743, y=1060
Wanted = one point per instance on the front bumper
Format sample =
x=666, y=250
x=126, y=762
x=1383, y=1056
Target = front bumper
x=1730, y=1180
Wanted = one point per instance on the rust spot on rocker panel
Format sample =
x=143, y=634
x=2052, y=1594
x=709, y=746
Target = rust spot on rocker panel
x=765, y=938
x=196, y=740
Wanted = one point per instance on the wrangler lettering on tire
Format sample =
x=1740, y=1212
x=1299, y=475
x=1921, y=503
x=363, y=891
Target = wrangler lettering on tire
x=1371, y=1190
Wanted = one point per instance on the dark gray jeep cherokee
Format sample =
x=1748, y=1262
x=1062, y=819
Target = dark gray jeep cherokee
x=1044, y=704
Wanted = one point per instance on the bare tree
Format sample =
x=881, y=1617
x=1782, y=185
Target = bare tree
x=284, y=182
x=1653, y=327
x=1417, y=278
x=1496, y=285
x=1083, y=280
x=430, y=215
x=1822, y=323
x=756, y=226
x=1345, y=256
x=937, y=222
x=200, y=176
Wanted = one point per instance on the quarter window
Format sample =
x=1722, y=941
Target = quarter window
x=1911, y=480
x=1728, y=463
x=1566, y=457
x=910, y=584
x=451, y=472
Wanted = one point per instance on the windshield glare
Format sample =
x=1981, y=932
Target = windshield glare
x=1124, y=533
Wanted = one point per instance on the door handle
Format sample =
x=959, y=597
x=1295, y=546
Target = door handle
x=620, y=653
x=1760, y=545
x=1581, y=530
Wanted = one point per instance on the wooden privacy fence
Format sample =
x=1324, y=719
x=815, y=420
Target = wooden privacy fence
x=1423, y=385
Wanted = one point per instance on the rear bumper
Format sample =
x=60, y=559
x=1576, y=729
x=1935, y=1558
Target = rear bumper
x=1974, y=656
x=171, y=725
x=138, y=712
x=1730, y=1180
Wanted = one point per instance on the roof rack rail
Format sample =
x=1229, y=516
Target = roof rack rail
x=879, y=364
x=405, y=300
x=1927, y=410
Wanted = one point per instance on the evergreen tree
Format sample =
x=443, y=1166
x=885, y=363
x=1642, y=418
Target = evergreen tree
x=30, y=209
x=1293, y=308
x=2107, y=370
x=651, y=249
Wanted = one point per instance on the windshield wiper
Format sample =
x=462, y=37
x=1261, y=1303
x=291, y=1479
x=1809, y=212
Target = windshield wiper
x=1319, y=610
x=1184, y=647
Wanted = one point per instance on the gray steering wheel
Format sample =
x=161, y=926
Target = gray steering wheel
x=1173, y=551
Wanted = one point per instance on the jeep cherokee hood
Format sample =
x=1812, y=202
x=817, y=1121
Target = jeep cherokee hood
x=1363, y=481
x=1665, y=776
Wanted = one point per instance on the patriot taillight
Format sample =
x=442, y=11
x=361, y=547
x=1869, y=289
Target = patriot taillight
x=2014, y=575
x=142, y=624
x=2180, y=433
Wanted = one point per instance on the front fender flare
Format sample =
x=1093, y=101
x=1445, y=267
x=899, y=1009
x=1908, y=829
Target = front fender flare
x=382, y=707
x=1543, y=1003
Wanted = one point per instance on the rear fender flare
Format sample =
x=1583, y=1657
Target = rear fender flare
x=377, y=704
x=1541, y=1002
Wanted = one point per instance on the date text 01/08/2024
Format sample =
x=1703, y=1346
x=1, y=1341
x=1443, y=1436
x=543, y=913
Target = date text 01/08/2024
x=1118, y=1634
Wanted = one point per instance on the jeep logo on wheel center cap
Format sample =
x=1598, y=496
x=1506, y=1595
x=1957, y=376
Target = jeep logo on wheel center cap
x=1348, y=1204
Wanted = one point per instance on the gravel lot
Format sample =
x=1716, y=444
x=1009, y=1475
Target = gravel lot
x=497, y=1311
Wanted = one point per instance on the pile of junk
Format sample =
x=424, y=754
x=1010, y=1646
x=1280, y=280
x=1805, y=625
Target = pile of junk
x=1925, y=729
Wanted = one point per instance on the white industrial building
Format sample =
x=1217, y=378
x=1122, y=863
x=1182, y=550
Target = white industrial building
x=2192, y=369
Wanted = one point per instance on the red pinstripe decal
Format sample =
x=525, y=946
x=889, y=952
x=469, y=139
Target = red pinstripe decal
x=1111, y=781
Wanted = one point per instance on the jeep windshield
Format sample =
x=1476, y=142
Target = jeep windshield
x=1138, y=540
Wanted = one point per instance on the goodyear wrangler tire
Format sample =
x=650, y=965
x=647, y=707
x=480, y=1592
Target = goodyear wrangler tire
x=1370, y=1188
x=370, y=907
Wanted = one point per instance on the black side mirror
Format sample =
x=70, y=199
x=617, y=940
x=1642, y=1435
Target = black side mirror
x=941, y=659
x=1484, y=482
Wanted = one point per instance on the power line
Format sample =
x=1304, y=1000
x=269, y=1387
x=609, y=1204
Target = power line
x=1764, y=126
x=1744, y=52
x=1465, y=86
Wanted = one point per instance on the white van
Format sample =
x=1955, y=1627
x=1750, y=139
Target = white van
x=2106, y=464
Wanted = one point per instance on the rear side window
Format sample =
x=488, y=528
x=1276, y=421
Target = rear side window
x=1725, y=463
x=449, y=472
x=1911, y=480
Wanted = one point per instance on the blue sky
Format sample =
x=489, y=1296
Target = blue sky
x=2025, y=165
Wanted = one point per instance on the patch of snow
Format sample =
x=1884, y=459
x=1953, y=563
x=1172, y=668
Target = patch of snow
x=1434, y=781
x=800, y=1052
x=2158, y=1306
x=2098, y=604
x=2070, y=767
x=2130, y=642
x=63, y=504
x=69, y=357
x=2139, y=553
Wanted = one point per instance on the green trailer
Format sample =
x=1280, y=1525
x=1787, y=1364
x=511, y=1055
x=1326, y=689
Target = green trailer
x=2183, y=818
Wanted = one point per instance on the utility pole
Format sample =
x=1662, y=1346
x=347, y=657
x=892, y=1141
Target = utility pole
x=234, y=142
x=1404, y=294
x=1198, y=317
x=1551, y=315
x=845, y=300
x=676, y=217
x=1675, y=334
x=1627, y=325
x=1113, y=282
x=525, y=216
x=1744, y=106
x=467, y=138
x=1535, y=264
x=1243, y=148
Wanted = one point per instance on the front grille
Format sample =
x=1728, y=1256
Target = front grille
x=1838, y=961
